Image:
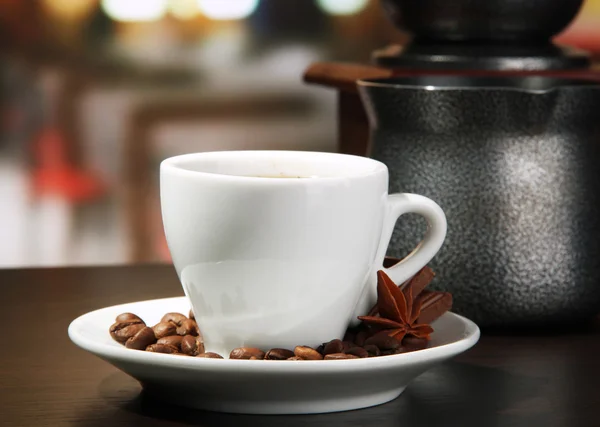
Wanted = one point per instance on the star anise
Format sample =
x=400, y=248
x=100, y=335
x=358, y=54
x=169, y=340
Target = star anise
x=398, y=310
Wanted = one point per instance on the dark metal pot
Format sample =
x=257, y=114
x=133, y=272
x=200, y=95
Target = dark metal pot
x=482, y=34
x=515, y=164
x=530, y=21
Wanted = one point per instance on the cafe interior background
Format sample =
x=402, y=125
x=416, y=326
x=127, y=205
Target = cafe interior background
x=95, y=93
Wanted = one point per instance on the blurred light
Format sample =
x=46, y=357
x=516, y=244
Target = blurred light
x=227, y=9
x=135, y=10
x=184, y=9
x=69, y=9
x=342, y=7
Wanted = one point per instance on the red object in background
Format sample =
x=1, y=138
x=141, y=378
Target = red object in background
x=583, y=32
x=53, y=174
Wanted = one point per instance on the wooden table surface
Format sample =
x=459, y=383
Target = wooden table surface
x=45, y=380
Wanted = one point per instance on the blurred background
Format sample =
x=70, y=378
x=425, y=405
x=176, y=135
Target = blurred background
x=95, y=93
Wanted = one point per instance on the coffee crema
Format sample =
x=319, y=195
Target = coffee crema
x=282, y=176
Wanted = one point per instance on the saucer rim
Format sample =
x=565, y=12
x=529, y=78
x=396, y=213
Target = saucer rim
x=123, y=354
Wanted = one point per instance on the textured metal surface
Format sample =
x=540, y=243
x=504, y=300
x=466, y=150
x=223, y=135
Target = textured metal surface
x=530, y=21
x=517, y=173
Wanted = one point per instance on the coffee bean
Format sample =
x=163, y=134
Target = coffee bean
x=401, y=350
x=294, y=358
x=246, y=353
x=340, y=356
x=307, y=353
x=174, y=340
x=142, y=339
x=253, y=358
x=348, y=344
x=279, y=354
x=358, y=352
x=383, y=341
x=162, y=348
x=415, y=343
x=398, y=350
x=333, y=346
x=188, y=327
x=192, y=345
x=122, y=331
x=373, y=350
x=360, y=338
x=320, y=349
x=164, y=329
x=192, y=315
x=129, y=317
x=210, y=355
x=176, y=318
x=349, y=336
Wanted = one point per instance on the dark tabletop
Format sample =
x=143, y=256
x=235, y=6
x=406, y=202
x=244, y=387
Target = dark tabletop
x=536, y=380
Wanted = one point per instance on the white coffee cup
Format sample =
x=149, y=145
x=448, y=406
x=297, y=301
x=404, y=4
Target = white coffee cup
x=281, y=248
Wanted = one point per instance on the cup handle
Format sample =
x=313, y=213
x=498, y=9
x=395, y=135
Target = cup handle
x=398, y=205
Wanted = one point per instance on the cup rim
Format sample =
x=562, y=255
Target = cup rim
x=173, y=165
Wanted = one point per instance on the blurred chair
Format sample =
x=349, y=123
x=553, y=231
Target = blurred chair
x=63, y=161
x=270, y=118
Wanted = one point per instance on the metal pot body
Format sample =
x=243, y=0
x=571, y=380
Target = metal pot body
x=515, y=164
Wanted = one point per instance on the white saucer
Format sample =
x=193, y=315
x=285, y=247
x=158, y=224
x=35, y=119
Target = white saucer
x=265, y=386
